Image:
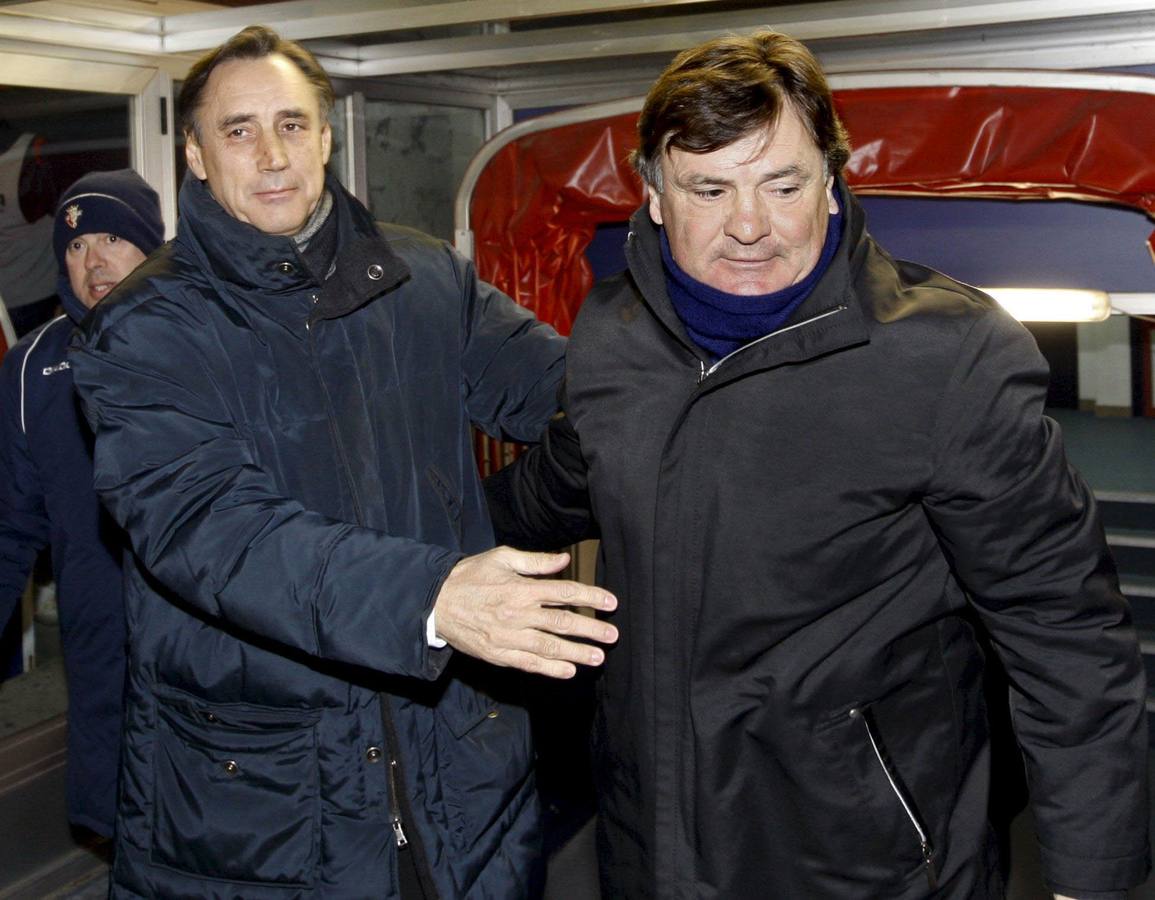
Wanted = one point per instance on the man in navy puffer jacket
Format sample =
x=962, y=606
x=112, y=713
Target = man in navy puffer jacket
x=283, y=400
x=106, y=224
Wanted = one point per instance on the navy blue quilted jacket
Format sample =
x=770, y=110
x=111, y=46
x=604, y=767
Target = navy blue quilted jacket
x=292, y=462
x=47, y=500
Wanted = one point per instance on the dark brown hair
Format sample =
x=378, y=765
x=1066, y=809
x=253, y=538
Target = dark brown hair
x=721, y=91
x=254, y=42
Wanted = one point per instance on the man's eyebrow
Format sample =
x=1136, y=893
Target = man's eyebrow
x=242, y=117
x=236, y=119
x=696, y=179
x=794, y=170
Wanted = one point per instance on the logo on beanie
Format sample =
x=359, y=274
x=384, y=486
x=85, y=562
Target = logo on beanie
x=72, y=215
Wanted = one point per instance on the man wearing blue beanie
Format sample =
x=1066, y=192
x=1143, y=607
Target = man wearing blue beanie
x=105, y=225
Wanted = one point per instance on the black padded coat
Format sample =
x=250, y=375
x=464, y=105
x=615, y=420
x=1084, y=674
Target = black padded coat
x=795, y=707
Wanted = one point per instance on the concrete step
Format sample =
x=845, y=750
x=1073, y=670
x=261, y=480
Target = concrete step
x=1137, y=586
x=1140, y=593
x=1125, y=497
x=1131, y=537
x=1134, y=555
x=1126, y=509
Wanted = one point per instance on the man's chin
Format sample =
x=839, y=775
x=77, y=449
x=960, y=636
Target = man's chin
x=749, y=287
x=752, y=279
x=282, y=223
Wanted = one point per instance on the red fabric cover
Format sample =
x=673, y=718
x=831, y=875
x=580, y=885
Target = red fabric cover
x=539, y=200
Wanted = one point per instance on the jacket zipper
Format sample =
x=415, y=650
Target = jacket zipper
x=398, y=808
x=395, y=807
x=923, y=839
x=704, y=373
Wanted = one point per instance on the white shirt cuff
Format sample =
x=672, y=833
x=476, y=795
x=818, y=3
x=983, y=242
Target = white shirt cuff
x=431, y=637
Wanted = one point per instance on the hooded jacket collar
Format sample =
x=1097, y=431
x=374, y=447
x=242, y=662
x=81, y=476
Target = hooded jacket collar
x=248, y=260
x=830, y=319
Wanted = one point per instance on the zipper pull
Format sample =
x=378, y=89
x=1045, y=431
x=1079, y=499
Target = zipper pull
x=701, y=371
x=395, y=808
x=399, y=833
x=928, y=861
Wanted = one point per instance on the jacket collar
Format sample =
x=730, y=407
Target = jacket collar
x=830, y=319
x=248, y=260
x=72, y=305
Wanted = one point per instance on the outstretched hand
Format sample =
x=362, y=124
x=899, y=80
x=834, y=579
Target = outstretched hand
x=493, y=608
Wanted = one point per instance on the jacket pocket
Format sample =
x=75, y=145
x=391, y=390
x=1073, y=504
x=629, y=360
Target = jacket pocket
x=919, y=830
x=236, y=793
x=486, y=746
x=881, y=797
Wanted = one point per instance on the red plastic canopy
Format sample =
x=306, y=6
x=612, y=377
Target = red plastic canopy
x=1037, y=135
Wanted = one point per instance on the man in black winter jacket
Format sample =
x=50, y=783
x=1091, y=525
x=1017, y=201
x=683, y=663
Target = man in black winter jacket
x=282, y=400
x=807, y=463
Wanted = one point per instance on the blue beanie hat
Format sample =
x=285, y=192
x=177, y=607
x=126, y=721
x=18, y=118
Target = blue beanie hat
x=120, y=203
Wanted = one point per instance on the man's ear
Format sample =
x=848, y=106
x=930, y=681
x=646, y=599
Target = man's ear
x=326, y=142
x=831, y=196
x=655, y=204
x=192, y=155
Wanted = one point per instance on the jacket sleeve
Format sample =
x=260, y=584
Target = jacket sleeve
x=512, y=364
x=541, y=500
x=24, y=527
x=207, y=522
x=1021, y=530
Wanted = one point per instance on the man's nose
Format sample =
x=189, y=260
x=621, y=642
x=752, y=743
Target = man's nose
x=748, y=219
x=93, y=258
x=273, y=156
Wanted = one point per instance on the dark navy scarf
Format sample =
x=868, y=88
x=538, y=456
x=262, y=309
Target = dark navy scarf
x=719, y=322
